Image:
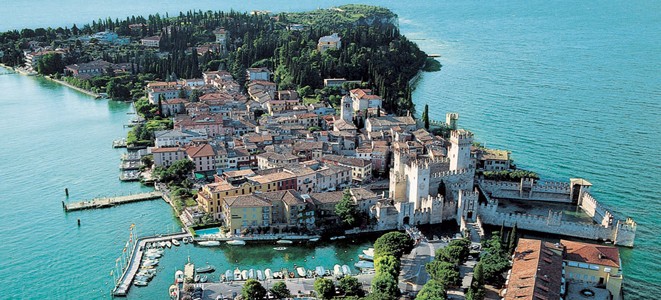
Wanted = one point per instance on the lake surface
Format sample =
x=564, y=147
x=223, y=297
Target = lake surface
x=571, y=88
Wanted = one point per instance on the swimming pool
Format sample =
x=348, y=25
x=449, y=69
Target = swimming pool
x=207, y=231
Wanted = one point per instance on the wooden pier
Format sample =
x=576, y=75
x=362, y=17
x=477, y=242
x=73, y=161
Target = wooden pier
x=110, y=201
x=124, y=283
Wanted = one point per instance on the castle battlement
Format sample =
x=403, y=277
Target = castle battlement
x=461, y=136
x=451, y=173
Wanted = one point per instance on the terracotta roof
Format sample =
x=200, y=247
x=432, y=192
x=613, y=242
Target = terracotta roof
x=536, y=272
x=246, y=201
x=200, y=151
x=166, y=149
x=327, y=197
x=591, y=253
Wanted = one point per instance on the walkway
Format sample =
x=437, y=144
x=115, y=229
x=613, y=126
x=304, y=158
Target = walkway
x=110, y=201
x=125, y=281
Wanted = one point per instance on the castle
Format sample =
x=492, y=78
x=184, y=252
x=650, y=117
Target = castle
x=428, y=189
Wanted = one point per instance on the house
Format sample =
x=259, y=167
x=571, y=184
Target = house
x=203, y=156
x=361, y=170
x=363, y=99
x=90, y=69
x=221, y=35
x=492, y=159
x=536, y=271
x=246, y=211
x=169, y=90
x=166, y=156
x=152, y=41
x=325, y=205
x=175, y=137
x=269, y=160
x=253, y=74
x=593, y=265
x=171, y=107
x=332, y=177
x=406, y=123
x=332, y=41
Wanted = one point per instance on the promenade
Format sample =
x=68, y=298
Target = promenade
x=110, y=201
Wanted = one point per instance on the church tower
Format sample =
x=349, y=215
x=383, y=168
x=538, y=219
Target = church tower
x=347, y=110
x=460, y=149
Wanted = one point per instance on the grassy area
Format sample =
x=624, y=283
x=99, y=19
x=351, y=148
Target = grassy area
x=190, y=202
x=310, y=100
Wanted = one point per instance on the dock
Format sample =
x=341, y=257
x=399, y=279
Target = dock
x=110, y=201
x=119, y=143
x=124, y=283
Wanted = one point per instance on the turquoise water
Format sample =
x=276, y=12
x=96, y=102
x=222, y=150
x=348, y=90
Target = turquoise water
x=571, y=88
x=202, y=232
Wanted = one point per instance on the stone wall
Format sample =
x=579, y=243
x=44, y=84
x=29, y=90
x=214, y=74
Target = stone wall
x=528, y=189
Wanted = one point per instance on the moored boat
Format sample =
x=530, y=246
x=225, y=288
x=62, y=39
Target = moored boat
x=364, y=265
x=365, y=257
x=337, y=271
x=346, y=270
x=209, y=243
x=236, y=242
x=300, y=271
x=284, y=242
x=369, y=252
x=197, y=278
x=228, y=275
x=268, y=273
x=237, y=274
x=168, y=244
x=244, y=274
x=185, y=240
x=205, y=269
x=320, y=271
x=314, y=239
x=175, y=242
x=260, y=275
x=251, y=274
x=341, y=237
x=179, y=276
x=174, y=292
x=203, y=278
x=140, y=283
x=280, y=248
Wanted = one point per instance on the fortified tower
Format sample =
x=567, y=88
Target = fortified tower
x=451, y=120
x=346, y=110
x=460, y=149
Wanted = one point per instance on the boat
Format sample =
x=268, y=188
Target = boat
x=174, y=292
x=314, y=239
x=185, y=240
x=251, y=274
x=300, y=271
x=337, y=271
x=260, y=275
x=168, y=244
x=280, y=248
x=150, y=263
x=237, y=274
x=364, y=265
x=277, y=275
x=244, y=274
x=209, y=243
x=205, y=269
x=369, y=252
x=236, y=242
x=197, y=278
x=284, y=242
x=175, y=242
x=161, y=244
x=341, y=237
x=268, y=273
x=292, y=275
x=140, y=283
x=228, y=275
x=179, y=276
x=320, y=271
x=152, y=256
x=203, y=278
x=346, y=270
x=365, y=257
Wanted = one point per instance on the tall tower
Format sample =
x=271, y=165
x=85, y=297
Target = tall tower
x=451, y=120
x=460, y=149
x=346, y=110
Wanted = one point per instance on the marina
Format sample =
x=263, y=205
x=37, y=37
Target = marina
x=110, y=201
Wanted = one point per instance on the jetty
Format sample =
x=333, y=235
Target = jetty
x=124, y=283
x=119, y=143
x=110, y=201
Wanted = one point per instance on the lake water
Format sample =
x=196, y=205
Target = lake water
x=571, y=88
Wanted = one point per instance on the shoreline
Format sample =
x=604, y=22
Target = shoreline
x=64, y=83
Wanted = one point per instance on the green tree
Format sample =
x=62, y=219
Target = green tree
x=195, y=95
x=456, y=252
x=346, y=210
x=478, y=275
x=387, y=264
x=386, y=284
x=513, y=240
x=253, y=290
x=443, y=272
x=432, y=290
x=280, y=290
x=50, y=64
x=393, y=243
x=425, y=116
x=324, y=287
x=350, y=286
x=378, y=295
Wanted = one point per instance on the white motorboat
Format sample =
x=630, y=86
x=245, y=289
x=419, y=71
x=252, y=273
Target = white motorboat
x=280, y=248
x=168, y=244
x=209, y=243
x=260, y=275
x=346, y=270
x=320, y=271
x=369, y=252
x=237, y=274
x=205, y=269
x=284, y=242
x=268, y=273
x=337, y=271
x=179, y=276
x=236, y=242
x=301, y=272
x=251, y=274
x=364, y=265
x=175, y=242
x=365, y=257
x=341, y=237
x=314, y=239
x=244, y=274
x=185, y=240
x=197, y=278
x=139, y=283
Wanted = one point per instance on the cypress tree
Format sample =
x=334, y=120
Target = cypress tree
x=512, y=240
x=425, y=116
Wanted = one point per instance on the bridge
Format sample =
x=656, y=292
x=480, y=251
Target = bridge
x=110, y=201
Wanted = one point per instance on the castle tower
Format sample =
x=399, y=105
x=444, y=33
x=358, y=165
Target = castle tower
x=451, y=120
x=397, y=189
x=460, y=149
x=346, y=110
x=417, y=183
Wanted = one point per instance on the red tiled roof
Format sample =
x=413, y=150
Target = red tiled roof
x=536, y=272
x=200, y=151
x=591, y=253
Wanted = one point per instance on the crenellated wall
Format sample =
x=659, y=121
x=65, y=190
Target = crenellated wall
x=528, y=189
x=597, y=212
